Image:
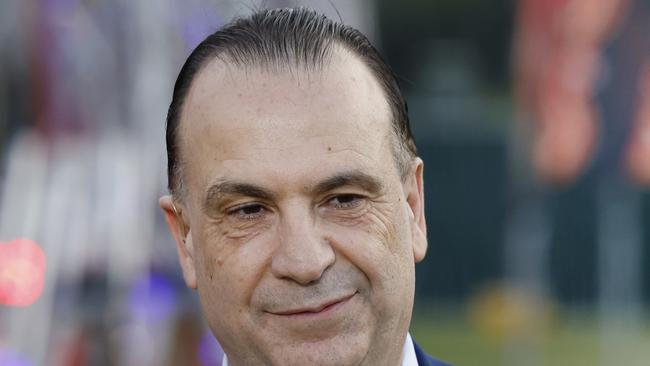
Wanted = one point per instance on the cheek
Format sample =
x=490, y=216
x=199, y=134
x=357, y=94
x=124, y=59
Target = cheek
x=219, y=241
x=232, y=266
x=383, y=228
x=230, y=277
x=374, y=249
x=378, y=244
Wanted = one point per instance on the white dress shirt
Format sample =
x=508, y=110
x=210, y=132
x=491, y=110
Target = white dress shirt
x=408, y=354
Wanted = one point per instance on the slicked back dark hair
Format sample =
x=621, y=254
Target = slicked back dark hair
x=278, y=40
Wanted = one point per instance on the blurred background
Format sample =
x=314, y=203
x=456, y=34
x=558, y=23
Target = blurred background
x=532, y=116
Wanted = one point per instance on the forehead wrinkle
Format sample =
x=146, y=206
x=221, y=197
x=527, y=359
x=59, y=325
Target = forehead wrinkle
x=227, y=73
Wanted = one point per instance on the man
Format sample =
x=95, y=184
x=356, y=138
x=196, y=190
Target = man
x=297, y=194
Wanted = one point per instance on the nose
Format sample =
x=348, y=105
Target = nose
x=303, y=254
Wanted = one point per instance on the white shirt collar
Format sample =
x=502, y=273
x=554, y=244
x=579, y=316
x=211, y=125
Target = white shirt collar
x=408, y=354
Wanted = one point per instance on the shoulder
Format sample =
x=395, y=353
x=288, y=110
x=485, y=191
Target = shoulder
x=426, y=360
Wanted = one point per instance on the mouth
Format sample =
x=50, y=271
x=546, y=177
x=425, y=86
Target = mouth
x=317, y=309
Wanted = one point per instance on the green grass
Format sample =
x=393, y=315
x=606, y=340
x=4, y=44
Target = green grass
x=570, y=338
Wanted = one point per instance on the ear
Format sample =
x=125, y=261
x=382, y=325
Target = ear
x=181, y=233
x=414, y=187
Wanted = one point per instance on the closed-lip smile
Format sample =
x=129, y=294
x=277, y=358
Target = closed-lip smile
x=314, y=309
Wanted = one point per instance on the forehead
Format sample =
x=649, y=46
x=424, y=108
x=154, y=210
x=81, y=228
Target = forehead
x=234, y=115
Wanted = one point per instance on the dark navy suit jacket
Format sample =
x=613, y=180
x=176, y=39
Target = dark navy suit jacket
x=424, y=359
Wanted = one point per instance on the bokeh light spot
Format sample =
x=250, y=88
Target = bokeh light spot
x=22, y=272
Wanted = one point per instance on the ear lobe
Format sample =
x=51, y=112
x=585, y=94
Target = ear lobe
x=415, y=200
x=183, y=238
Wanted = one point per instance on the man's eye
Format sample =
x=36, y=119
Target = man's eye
x=249, y=211
x=344, y=201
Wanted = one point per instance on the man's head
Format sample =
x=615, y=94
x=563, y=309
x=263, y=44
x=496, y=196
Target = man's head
x=283, y=40
x=297, y=202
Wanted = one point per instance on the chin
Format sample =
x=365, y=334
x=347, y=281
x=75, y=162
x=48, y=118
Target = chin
x=341, y=350
x=325, y=357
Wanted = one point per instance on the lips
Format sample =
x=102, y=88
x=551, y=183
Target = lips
x=315, y=309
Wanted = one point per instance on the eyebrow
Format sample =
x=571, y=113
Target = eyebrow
x=222, y=188
x=350, y=178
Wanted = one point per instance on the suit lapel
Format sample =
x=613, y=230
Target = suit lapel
x=424, y=359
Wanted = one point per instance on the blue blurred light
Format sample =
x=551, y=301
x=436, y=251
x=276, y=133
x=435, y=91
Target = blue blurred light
x=210, y=351
x=11, y=358
x=153, y=297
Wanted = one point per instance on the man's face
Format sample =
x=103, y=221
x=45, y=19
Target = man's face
x=298, y=232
